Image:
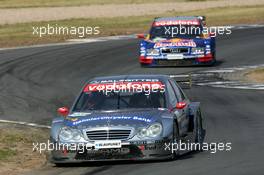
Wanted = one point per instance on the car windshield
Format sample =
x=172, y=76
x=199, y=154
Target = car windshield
x=119, y=100
x=175, y=31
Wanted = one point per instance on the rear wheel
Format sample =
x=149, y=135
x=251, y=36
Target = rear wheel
x=142, y=65
x=198, y=129
x=214, y=59
x=176, y=138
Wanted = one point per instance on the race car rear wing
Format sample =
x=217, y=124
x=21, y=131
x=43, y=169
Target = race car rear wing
x=184, y=81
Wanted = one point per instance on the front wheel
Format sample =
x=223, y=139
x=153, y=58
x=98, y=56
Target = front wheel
x=176, y=138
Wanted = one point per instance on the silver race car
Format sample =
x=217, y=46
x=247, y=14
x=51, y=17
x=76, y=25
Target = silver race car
x=129, y=117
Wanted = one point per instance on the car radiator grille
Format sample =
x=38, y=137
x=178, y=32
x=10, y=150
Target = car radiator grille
x=108, y=134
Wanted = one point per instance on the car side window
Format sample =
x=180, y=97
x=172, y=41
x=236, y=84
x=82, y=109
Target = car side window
x=182, y=94
x=172, y=96
x=177, y=90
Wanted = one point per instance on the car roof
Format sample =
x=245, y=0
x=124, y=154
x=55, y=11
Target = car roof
x=177, y=18
x=138, y=76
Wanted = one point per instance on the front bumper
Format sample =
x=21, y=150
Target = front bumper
x=143, y=150
x=186, y=61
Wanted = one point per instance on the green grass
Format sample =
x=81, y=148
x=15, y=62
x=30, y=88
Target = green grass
x=256, y=75
x=195, y=0
x=52, y=3
x=261, y=71
x=6, y=154
x=17, y=140
x=21, y=34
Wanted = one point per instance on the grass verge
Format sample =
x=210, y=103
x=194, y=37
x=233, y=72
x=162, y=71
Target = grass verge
x=63, y=3
x=256, y=75
x=21, y=34
x=16, y=147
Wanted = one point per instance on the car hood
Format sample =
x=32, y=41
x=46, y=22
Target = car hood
x=132, y=118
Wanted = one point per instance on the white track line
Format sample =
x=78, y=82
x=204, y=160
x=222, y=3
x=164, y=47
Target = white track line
x=41, y=45
x=76, y=41
x=190, y=75
x=227, y=83
x=238, y=87
x=24, y=123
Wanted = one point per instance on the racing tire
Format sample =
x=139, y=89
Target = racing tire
x=176, y=137
x=143, y=65
x=214, y=60
x=198, y=131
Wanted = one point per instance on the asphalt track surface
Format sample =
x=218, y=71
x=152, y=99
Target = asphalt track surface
x=35, y=81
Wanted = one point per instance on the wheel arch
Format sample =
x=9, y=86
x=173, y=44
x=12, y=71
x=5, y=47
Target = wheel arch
x=57, y=123
x=194, y=111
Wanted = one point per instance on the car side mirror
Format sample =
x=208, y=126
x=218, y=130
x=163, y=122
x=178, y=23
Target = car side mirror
x=181, y=105
x=63, y=111
x=141, y=36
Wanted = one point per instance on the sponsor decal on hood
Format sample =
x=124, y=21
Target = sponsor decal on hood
x=143, y=119
x=175, y=43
